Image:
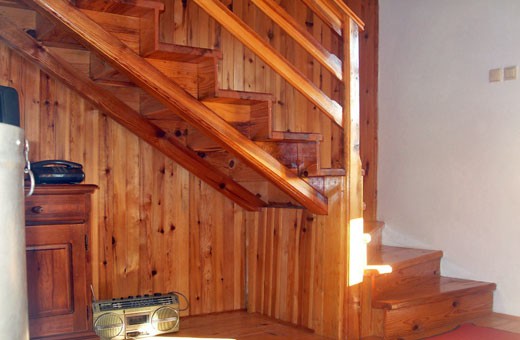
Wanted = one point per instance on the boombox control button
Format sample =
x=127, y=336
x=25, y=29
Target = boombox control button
x=146, y=295
x=138, y=296
x=157, y=294
x=130, y=297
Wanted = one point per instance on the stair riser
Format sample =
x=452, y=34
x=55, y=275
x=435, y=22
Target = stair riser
x=302, y=157
x=125, y=28
x=424, y=320
x=414, y=275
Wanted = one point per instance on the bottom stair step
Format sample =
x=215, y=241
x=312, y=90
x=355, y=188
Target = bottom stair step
x=431, y=307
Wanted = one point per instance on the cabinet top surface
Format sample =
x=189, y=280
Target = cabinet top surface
x=56, y=189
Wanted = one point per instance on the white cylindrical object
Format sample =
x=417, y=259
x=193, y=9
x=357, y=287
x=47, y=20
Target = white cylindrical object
x=14, y=322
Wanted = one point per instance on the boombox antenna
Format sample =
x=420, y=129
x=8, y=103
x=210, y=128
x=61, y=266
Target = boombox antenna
x=93, y=294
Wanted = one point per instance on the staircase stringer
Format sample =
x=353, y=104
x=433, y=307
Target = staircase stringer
x=170, y=94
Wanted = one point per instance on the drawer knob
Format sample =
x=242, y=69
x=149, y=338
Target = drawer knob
x=37, y=209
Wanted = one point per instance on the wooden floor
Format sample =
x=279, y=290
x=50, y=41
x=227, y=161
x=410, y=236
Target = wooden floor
x=238, y=325
x=500, y=321
x=242, y=325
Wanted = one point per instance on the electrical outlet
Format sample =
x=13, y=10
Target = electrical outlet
x=510, y=72
x=495, y=75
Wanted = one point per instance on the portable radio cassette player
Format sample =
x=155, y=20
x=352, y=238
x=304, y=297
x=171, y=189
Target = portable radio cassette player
x=133, y=317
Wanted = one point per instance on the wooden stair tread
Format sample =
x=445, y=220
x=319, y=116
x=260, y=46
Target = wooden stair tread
x=239, y=97
x=435, y=289
x=400, y=257
x=183, y=53
x=288, y=136
x=130, y=8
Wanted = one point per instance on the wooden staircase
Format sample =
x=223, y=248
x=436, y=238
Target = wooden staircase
x=169, y=96
x=415, y=301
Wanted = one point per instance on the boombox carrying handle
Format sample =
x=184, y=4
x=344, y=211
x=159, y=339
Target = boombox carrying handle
x=185, y=299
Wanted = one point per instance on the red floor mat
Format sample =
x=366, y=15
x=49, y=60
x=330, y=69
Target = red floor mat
x=472, y=332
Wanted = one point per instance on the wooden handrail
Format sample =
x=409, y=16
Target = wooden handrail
x=276, y=12
x=119, y=111
x=271, y=57
x=349, y=13
x=328, y=15
x=333, y=13
x=182, y=103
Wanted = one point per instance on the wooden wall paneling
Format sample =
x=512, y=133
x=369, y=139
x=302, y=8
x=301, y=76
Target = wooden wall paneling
x=317, y=27
x=301, y=57
x=62, y=122
x=296, y=269
x=369, y=111
x=289, y=49
x=48, y=108
x=249, y=58
x=104, y=223
x=240, y=9
x=195, y=294
x=181, y=19
x=306, y=270
x=179, y=227
x=93, y=170
x=263, y=74
x=146, y=200
x=118, y=201
x=167, y=22
x=5, y=60
x=132, y=228
x=240, y=270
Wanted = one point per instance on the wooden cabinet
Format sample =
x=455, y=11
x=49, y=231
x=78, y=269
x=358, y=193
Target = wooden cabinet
x=58, y=261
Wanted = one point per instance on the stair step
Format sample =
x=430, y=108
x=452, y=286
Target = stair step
x=125, y=28
x=430, y=308
x=410, y=267
x=130, y=8
x=434, y=290
x=183, y=53
x=375, y=230
x=400, y=257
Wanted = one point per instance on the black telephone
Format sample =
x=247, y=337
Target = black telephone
x=57, y=172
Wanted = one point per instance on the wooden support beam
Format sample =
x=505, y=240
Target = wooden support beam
x=271, y=57
x=174, y=97
x=283, y=19
x=124, y=115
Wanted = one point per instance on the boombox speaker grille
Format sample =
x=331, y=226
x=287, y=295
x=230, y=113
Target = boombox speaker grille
x=109, y=325
x=165, y=319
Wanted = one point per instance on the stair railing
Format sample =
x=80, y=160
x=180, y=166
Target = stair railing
x=336, y=12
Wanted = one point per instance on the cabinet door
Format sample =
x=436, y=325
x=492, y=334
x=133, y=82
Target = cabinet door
x=56, y=279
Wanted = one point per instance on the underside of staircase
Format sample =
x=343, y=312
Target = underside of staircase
x=415, y=301
x=169, y=95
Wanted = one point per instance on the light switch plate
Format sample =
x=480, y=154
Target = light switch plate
x=510, y=72
x=495, y=75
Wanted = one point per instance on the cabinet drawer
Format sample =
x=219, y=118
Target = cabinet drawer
x=55, y=209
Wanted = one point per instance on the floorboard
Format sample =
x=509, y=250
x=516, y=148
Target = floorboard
x=238, y=325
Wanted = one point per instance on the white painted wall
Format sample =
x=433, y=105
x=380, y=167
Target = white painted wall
x=449, y=141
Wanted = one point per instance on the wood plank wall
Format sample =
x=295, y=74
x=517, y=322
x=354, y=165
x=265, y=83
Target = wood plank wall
x=157, y=228
x=368, y=10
